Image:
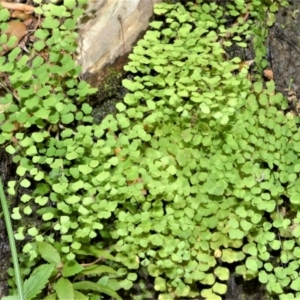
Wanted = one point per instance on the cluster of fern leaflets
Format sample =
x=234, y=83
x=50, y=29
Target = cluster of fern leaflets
x=198, y=170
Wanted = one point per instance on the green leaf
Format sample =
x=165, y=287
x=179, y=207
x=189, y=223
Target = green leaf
x=121, y=107
x=84, y=169
x=79, y=296
x=27, y=210
x=58, y=10
x=204, y=108
x=11, y=150
x=263, y=277
x=94, y=251
x=70, y=4
x=13, y=55
x=25, y=183
x=67, y=118
x=131, y=85
x=51, y=297
x=222, y=273
x=71, y=155
x=258, y=87
x=86, y=108
x=40, y=34
x=49, y=253
x=295, y=198
x=32, y=231
x=220, y=288
x=64, y=289
x=252, y=263
x=88, y=285
x=245, y=225
x=156, y=24
x=72, y=199
x=50, y=23
x=102, y=176
x=5, y=15
x=39, y=45
x=70, y=24
x=126, y=284
x=41, y=200
x=160, y=284
x=295, y=285
x=19, y=235
x=230, y=256
x=71, y=268
x=16, y=214
x=97, y=270
x=48, y=216
x=172, y=170
x=37, y=281
x=7, y=127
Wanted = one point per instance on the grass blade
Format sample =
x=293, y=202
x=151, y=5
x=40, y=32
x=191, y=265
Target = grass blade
x=12, y=243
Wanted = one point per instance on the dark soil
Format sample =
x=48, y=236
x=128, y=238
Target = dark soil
x=4, y=259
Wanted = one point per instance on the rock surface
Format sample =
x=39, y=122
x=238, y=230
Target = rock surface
x=283, y=51
x=108, y=32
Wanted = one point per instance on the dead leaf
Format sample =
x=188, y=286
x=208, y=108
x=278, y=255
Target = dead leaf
x=137, y=180
x=218, y=253
x=117, y=150
x=292, y=97
x=28, y=21
x=269, y=74
x=21, y=15
x=17, y=29
x=17, y=126
x=17, y=6
x=245, y=63
x=14, y=141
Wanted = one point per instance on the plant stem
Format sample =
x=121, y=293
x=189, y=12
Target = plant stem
x=12, y=243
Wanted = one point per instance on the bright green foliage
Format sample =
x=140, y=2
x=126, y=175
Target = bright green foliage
x=44, y=101
x=206, y=162
x=37, y=281
x=198, y=167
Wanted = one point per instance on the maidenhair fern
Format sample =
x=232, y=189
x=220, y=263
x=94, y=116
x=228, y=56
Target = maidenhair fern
x=198, y=169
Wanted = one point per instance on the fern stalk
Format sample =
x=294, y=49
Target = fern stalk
x=12, y=243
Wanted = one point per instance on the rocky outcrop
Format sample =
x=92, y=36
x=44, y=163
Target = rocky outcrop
x=108, y=32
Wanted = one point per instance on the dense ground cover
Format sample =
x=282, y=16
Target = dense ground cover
x=196, y=174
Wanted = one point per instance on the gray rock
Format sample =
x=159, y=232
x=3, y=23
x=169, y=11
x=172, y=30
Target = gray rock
x=108, y=32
